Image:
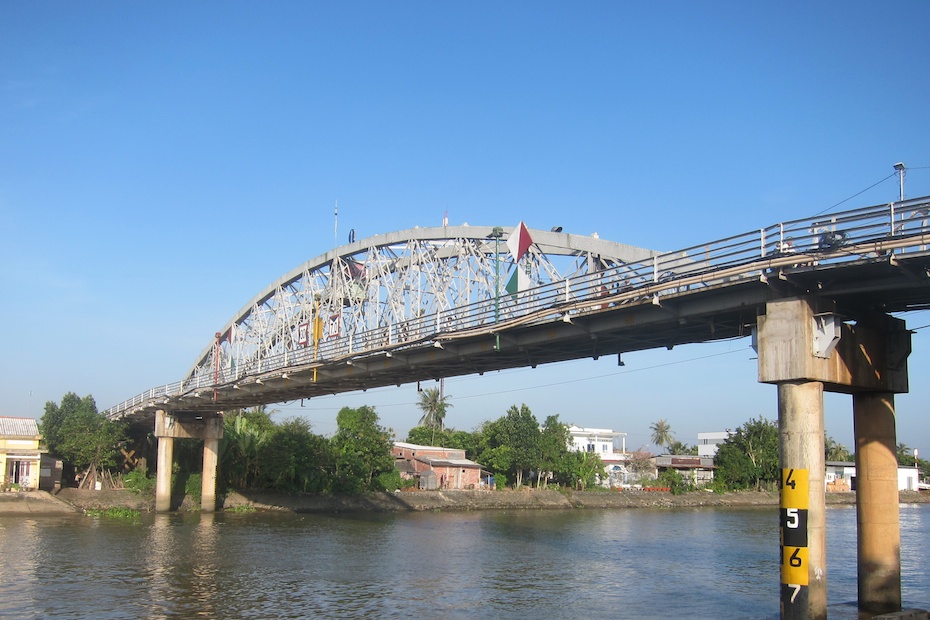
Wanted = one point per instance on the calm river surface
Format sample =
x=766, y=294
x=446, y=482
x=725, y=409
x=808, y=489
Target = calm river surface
x=694, y=563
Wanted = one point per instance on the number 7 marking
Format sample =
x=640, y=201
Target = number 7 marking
x=797, y=590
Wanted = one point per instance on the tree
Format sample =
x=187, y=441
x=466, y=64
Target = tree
x=834, y=451
x=293, y=459
x=361, y=450
x=55, y=417
x=662, y=434
x=677, y=447
x=90, y=440
x=511, y=443
x=749, y=457
x=553, y=446
x=244, y=434
x=433, y=405
x=580, y=469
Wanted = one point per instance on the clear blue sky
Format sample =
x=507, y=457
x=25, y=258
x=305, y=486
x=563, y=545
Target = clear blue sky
x=161, y=163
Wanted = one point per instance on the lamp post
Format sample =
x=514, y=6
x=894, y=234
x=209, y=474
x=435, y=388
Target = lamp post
x=496, y=233
x=900, y=168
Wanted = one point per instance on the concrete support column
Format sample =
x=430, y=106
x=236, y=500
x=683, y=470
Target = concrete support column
x=803, y=506
x=210, y=459
x=879, y=533
x=163, y=474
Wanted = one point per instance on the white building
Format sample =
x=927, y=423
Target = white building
x=708, y=442
x=840, y=474
x=600, y=441
x=597, y=440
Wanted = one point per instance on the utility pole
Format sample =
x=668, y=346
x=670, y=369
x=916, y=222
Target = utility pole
x=900, y=168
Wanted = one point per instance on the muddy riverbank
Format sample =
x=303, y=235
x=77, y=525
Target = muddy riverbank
x=453, y=500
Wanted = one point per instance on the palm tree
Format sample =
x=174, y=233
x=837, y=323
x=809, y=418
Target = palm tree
x=662, y=434
x=433, y=404
x=834, y=451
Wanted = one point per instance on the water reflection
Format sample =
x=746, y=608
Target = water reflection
x=700, y=563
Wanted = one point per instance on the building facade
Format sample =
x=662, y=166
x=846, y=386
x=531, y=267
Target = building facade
x=708, y=442
x=840, y=476
x=23, y=461
x=436, y=467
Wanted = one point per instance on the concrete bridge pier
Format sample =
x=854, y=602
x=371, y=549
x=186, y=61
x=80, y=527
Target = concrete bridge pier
x=805, y=348
x=171, y=426
x=879, y=530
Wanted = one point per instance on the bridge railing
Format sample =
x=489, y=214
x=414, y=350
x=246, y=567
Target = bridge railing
x=818, y=240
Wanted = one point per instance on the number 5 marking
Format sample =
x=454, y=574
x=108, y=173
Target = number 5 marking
x=792, y=519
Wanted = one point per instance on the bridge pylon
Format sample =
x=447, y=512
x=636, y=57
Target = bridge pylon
x=805, y=348
x=177, y=425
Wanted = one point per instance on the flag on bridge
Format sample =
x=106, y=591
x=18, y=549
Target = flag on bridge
x=519, y=241
x=519, y=281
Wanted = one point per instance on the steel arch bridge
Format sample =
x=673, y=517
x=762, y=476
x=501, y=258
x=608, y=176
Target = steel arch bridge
x=425, y=303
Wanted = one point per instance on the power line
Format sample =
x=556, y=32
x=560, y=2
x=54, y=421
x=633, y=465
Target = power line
x=893, y=174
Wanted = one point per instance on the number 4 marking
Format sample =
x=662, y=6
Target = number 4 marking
x=788, y=481
x=797, y=590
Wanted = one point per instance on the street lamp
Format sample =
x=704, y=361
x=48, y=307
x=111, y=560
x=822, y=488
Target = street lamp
x=900, y=168
x=496, y=233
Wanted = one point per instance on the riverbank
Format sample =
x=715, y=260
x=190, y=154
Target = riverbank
x=414, y=501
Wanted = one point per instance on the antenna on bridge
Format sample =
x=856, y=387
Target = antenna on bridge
x=336, y=225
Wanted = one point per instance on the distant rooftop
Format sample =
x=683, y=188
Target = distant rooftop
x=18, y=427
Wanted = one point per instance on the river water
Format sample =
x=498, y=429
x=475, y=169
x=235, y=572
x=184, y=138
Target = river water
x=634, y=563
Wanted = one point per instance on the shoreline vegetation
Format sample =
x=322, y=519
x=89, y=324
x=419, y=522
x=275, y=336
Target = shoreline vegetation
x=73, y=500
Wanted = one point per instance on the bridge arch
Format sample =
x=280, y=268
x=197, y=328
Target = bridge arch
x=391, y=288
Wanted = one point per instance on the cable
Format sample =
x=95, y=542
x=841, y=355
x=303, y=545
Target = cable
x=893, y=174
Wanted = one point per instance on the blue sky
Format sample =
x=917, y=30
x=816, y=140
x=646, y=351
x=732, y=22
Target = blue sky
x=161, y=163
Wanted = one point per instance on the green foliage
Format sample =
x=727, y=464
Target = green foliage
x=834, y=451
x=240, y=508
x=138, y=482
x=389, y=481
x=193, y=486
x=293, y=459
x=677, y=447
x=361, y=450
x=553, y=447
x=113, y=513
x=511, y=443
x=673, y=479
x=80, y=435
x=245, y=432
x=907, y=458
x=662, y=434
x=579, y=469
x=433, y=405
x=749, y=457
x=55, y=417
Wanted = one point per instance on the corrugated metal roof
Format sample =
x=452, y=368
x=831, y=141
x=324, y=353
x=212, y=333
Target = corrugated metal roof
x=18, y=427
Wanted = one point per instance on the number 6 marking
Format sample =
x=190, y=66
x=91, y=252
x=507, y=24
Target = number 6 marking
x=794, y=560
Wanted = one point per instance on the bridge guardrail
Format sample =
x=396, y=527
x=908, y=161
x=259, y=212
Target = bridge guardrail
x=821, y=239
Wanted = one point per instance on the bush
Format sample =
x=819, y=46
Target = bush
x=194, y=485
x=675, y=481
x=388, y=481
x=139, y=483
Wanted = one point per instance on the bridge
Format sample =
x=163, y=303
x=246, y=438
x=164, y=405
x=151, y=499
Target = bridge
x=427, y=303
x=816, y=294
